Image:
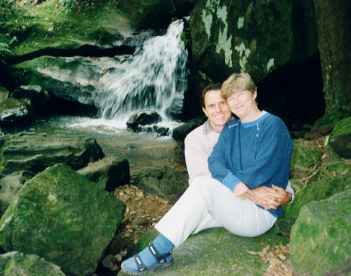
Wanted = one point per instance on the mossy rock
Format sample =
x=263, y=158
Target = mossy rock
x=321, y=237
x=61, y=216
x=340, y=168
x=15, y=263
x=218, y=252
x=303, y=158
x=56, y=28
x=333, y=117
x=333, y=157
x=340, y=138
x=319, y=190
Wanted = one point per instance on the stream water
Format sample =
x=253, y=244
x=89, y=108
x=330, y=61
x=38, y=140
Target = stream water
x=152, y=78
x=142, y=150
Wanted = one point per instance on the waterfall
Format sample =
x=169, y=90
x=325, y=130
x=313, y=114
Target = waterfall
x=155, y=77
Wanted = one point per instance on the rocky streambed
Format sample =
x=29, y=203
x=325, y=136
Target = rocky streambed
x=62, y=213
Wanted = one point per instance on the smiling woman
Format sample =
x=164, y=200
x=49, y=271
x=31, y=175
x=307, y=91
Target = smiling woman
x=241, y=93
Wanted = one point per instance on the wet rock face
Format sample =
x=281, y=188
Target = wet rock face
x=62, y=217
x=175, y=111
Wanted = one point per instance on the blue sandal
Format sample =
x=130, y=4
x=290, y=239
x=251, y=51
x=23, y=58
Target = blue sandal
x=161, y=262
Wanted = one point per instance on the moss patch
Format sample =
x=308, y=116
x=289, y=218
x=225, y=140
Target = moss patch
x=323, y=231
x=49, y=25
x=333, y=117
x=319, y=190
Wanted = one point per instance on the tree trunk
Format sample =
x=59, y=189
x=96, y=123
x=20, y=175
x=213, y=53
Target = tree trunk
x=334, y=31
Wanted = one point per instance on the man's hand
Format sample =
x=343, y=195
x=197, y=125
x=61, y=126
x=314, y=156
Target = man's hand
x=270, y=198
x=242, y=191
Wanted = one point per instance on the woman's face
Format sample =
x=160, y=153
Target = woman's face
x=242, y=104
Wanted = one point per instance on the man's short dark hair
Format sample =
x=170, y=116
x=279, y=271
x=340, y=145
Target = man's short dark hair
x=213, y=86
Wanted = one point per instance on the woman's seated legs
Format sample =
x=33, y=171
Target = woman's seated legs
x=204, y=199
x=206, y=196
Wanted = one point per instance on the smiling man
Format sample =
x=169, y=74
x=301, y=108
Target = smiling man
x=200, y=142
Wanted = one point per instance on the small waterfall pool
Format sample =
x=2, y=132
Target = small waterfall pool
x=152, y=79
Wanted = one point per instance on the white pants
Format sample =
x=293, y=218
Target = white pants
x=207, y=203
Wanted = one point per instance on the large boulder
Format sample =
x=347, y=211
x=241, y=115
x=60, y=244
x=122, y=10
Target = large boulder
x=166, y=183
x=63, y=217
x=59, y=85
x=340, y=138
x=16, y=263
x=251, y=36
x=321, y=237
x=219, y=252
x=36, y=151
x=110, y=172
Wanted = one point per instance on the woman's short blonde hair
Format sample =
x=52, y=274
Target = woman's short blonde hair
x=237, y=82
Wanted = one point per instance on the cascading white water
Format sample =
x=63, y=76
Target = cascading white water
x=152, y=80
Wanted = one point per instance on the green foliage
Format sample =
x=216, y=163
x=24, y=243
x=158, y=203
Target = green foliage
x=185, y=36
x=5, y=45
x=13, y=24
x=75, y=4
x=69, y=4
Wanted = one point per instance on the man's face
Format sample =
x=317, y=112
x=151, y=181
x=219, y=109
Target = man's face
x=216, y=109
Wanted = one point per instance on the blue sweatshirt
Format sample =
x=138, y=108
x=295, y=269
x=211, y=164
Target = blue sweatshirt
x=255, y=153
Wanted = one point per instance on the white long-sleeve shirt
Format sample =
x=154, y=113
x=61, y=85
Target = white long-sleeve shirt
x=198, y=147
